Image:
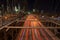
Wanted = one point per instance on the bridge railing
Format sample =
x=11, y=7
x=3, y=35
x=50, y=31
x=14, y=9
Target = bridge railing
x=21, y=27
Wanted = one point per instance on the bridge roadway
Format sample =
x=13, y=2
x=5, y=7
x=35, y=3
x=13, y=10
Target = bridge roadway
x=42, y=20
x=7, y=21
x=36, y=33
x=23, y=20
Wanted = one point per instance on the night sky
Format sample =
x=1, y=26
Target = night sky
x=49, y=5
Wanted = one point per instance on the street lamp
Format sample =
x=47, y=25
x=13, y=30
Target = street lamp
x=16, y=9
x=28, y=12
x=52, y=16
x=33, y=10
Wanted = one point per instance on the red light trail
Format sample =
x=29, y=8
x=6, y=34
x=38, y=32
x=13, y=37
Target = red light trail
x=34, y=34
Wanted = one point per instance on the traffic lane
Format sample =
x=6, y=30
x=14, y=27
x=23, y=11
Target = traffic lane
x=36, y=34
x=49, y=32
x=45, y=35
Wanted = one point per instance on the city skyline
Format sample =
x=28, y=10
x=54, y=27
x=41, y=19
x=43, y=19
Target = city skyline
x=47, y=5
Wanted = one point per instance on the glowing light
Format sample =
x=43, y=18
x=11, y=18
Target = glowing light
x=42, y=16
x=28, y=12
x=16, y=9
x=52, y=16
x=6, y=17
x=33, y=10
x=34, y=33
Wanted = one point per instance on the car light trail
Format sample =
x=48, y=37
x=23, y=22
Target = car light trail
x=26, y=35
x=34, y=34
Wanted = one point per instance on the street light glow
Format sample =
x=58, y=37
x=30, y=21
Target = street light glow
x=33, y=10
x=16, y=9
x=28, y=12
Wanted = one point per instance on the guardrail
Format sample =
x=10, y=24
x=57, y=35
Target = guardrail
x=19, y=27
x=31, y=27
